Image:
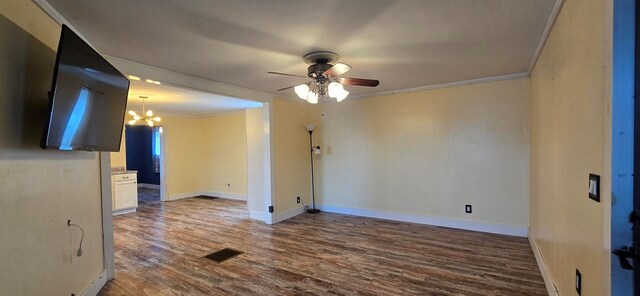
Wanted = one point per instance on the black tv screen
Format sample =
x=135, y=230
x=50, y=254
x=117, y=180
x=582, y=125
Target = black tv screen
x=88, y=99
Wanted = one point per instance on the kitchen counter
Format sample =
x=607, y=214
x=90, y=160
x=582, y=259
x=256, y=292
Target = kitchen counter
x=120, y=172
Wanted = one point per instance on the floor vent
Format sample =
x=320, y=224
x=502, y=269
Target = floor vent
x=205, y=197
x=223, y=255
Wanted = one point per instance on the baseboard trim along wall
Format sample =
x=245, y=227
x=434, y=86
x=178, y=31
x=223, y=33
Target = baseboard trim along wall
x=184, y=195
x=544, y=269
x=520, y=231
x=288, y=214
x=96, y=285
x=150, y=186
x=255, y=215
x=225, y=195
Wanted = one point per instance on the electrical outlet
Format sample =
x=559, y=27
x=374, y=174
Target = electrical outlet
x=468, y=209
x=578, y=282
x=298, y=199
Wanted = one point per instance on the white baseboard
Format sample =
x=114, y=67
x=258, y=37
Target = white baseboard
x=544, y=269
x=430, y=220
x=184, y=195
x=96, y=285
x=150, y=186
x=124, y=211
x=227, y=195
x=288, y=214
x=255, y=215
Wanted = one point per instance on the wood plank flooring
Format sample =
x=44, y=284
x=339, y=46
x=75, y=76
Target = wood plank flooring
x=160, y=250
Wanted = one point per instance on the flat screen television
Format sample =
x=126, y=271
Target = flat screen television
x=87, y=101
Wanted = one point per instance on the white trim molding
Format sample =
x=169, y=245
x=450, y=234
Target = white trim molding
x=445, y=85
x=288, y=214
x=184, y=195
x=542, y=265
x=96, y=285
x=488, y=227
x=226, y=195
x=545, y=34
x=256, y=215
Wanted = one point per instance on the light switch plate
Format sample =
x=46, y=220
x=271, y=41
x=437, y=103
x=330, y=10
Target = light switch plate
x=594, y=187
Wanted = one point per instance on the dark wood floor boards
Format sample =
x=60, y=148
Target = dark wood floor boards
x=160, y=249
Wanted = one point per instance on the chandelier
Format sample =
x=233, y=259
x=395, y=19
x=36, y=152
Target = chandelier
x=147, y=116
x=322, y=88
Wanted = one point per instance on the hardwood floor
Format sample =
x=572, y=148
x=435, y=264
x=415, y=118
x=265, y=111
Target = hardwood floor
x=160, y=250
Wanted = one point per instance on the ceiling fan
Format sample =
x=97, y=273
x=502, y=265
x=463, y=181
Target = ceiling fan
x=324, y=73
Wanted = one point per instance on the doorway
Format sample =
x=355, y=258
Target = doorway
x=624, y=234
x=144, y=154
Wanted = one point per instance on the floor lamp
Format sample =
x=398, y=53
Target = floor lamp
x=316, y=149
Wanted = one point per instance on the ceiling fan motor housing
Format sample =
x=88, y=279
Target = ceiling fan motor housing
x=316, y=70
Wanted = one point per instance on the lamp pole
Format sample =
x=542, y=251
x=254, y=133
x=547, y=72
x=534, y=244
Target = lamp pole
x=313, y=210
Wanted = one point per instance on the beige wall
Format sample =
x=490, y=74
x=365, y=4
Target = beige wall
x=570, y=138
x=40, y=189
x=119, y=159
x=429, y=153
x=225, y=153
x=291, y=153
x=255, y=162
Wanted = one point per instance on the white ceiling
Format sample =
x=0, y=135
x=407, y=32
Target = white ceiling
x=403, y=43
x=175, y=100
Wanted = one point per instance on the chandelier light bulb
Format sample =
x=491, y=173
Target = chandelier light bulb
x=149, y=122
x=132, y=122
x=149, y=113
x=137, y=117
x=156, y=119
x=132, y=113
x=302, y=91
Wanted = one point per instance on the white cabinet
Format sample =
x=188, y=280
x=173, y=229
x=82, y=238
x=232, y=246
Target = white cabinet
x=124, y=188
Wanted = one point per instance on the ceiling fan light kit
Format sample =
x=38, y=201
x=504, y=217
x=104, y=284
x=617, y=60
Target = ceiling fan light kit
x=324, y=72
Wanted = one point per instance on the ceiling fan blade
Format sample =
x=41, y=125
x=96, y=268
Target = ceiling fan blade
x=337, y=70
x=359, y=81
x=285, y=74
x=285, y=88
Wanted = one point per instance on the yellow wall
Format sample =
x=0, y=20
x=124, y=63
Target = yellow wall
x=225, y=153
x=570, y=138
x=204, y=154
x=184, y=152
x=430, y=153
x=40, y=189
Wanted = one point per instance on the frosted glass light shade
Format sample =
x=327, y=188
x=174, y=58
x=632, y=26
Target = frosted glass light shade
x=334, y=89
x=312, y=98
x=149, y=113
x=310, y=127
x=302, y=91
x=342, y=95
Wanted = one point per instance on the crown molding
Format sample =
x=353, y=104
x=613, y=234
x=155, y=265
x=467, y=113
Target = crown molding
x=446, y=85
x=545, y=34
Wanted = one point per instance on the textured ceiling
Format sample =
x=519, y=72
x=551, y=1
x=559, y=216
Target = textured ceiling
x=403, y=43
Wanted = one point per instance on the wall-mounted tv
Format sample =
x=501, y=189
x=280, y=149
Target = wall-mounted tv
x=88, y=99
